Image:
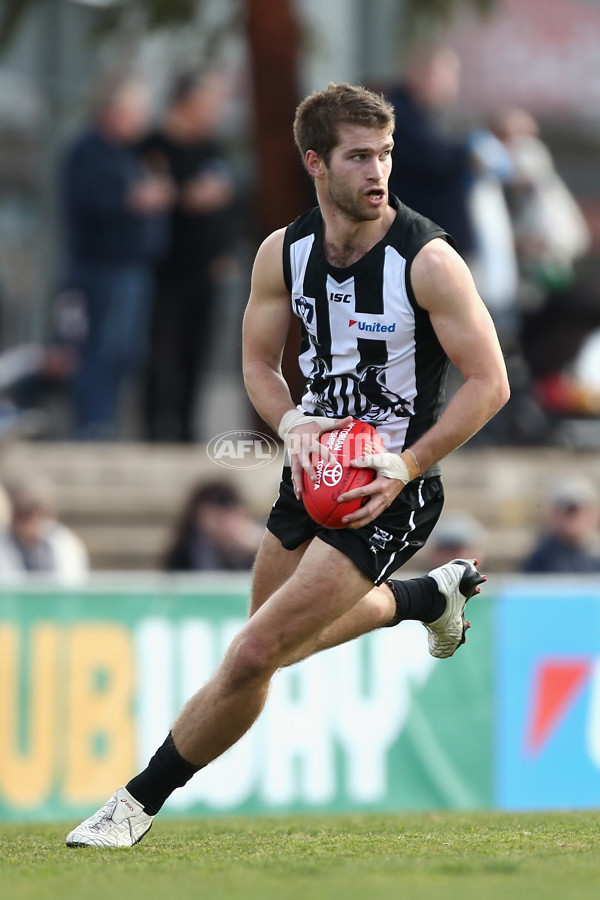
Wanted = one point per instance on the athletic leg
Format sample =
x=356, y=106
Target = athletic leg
x=324, y=585
x=274, y=565
x=272, y=568
x=375, y=610
x=378, y=608
x=437, y=601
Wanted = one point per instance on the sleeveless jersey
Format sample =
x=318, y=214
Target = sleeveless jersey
x=368, y=349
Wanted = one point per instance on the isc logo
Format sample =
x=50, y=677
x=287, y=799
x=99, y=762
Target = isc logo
x=339, y=298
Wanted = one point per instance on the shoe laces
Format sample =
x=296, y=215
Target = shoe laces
x=104, y=815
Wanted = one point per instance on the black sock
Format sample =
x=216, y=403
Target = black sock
x=166, y=771
x=418, y=598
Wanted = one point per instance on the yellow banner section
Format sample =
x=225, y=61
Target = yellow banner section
x=75, y=733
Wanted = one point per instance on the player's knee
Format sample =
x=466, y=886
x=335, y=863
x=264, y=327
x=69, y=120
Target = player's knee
x=250, y=659
x=383, y=605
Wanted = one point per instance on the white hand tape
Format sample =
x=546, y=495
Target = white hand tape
x=389, y=464
x=294, y=417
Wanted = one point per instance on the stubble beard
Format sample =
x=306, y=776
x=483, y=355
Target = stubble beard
x=350, y=206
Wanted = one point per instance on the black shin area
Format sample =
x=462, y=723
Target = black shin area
x=166, y=771
x=417, y=598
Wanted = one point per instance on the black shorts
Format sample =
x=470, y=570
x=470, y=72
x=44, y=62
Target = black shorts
x=380, y=547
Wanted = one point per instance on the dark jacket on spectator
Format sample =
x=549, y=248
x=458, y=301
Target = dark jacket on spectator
x=101, y=228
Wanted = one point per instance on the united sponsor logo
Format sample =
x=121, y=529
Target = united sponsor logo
x=377, y=327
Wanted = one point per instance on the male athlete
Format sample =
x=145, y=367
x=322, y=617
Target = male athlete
x=359, y=259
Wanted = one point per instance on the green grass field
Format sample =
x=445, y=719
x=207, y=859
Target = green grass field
x=414, y=856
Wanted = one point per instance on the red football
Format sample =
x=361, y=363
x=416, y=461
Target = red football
x=320, y=497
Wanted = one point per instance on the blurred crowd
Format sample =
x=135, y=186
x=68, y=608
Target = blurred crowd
x=496, y=189
x=148, y=215
x=151, y=231
x=215, y=530
x=151, y=228
x=149, y=208
x=564, y=541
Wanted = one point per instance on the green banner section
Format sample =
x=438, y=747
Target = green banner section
x=91, y=680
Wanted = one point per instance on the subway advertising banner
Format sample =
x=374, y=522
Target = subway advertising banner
x=91, y=680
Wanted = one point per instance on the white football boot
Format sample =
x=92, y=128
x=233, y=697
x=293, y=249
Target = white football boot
x=121, y=822
x=458, y=581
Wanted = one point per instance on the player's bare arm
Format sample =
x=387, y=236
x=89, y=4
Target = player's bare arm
x=443, y=286
x=266, y=324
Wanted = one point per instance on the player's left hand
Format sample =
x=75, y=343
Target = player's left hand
x=380, y=493
x=394, y=471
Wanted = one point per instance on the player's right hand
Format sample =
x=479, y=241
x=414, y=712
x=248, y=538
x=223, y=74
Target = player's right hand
x=301, y=436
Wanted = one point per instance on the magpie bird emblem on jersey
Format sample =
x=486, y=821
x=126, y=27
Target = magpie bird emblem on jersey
x=381, y=399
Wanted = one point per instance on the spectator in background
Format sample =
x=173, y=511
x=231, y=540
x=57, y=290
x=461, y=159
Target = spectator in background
x=198, y=254
x=559, y=311
x=432, y=171
x=35, y=541
x=456, y=536
x=550, y=231
x=114, y=216
x=569, y=540
x=215, y=531
x=457, y=181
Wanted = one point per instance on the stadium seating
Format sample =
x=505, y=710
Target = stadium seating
x=123, y=498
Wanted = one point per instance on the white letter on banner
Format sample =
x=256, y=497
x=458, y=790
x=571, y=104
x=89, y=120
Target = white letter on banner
x=299, y=762
x=592, y=737
x=230, y=780
x=153, y=640
x=194, y=661
x=369, y=721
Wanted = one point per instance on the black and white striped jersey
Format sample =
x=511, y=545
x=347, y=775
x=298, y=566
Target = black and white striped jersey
x=368, y=349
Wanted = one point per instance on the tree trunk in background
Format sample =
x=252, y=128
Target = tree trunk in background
x=283, y=189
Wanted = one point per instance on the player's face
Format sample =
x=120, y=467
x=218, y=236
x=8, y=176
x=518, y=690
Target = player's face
x=359, y=170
